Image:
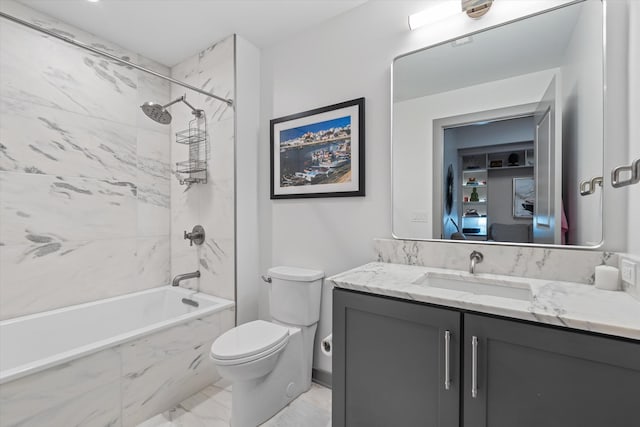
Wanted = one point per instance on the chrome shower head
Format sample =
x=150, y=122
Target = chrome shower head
x=160, y=114
x=156, y=112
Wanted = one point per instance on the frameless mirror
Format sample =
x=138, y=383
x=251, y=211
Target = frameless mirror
x=494, y=132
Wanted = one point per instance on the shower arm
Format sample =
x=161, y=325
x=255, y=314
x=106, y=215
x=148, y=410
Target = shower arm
x=173, y=102
x=112, y=57
x=183, y=98
x=194, y=111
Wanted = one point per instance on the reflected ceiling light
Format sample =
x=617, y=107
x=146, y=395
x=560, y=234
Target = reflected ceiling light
x=462, y=41
x=446, y=9
x=93, y=1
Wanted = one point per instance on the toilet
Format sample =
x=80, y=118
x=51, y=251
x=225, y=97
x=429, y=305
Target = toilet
x=269, y=363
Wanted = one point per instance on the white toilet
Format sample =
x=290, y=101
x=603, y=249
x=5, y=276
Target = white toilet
x=269, y=363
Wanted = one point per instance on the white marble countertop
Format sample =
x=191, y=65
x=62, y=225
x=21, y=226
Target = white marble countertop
x=573, y=305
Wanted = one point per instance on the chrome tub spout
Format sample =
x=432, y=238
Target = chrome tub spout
x=180, y=277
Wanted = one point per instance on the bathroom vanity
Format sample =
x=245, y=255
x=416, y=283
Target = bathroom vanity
x=410, y=348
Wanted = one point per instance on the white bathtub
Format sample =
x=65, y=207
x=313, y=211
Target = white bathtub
x=144, y=344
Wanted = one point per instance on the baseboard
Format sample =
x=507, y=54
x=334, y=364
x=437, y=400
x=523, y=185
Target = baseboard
x=321, y=377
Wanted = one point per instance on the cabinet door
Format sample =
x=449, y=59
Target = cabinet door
x=535, y=376
x=389, y=363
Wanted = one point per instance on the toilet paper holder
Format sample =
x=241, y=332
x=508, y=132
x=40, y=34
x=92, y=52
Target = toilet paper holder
x=327, y=345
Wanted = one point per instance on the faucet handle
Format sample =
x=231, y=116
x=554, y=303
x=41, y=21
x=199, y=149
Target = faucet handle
x=196, y=236
x=477, y=256
x=189, y=237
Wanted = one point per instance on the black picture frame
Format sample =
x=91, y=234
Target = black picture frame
x=319, y=153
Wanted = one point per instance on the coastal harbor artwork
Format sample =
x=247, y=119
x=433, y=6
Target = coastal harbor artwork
x=316, y=154
x=319, y=153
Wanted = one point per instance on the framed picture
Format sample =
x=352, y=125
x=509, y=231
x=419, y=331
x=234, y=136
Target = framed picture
x=524, y=196
x=319, y=153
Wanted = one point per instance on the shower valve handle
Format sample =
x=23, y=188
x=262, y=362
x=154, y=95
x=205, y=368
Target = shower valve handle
x=187, y=236
x=196, y=236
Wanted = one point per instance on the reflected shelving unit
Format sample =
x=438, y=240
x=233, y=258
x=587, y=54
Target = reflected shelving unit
x=486, y=168
x=474, y=202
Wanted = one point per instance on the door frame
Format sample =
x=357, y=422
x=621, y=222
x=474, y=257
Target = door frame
x=440, y=125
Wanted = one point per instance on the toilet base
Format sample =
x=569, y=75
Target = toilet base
x=255, y=401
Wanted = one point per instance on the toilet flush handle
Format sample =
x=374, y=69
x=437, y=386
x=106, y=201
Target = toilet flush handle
x=266, y=278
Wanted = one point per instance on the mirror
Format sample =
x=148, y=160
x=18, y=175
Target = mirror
x=515, y=113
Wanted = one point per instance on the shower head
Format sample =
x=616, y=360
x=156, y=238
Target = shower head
x=156, y=112
x=160, y=114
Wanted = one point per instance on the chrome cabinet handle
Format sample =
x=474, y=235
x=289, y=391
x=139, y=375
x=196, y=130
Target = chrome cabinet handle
x=589, y=187
x=616, y=182
x=634, y=178
x=447, y=374
x=474, y=367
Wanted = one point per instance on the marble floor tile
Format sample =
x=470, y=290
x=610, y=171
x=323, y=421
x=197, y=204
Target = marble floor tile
x=211, y=407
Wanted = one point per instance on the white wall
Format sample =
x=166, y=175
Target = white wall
x=618, y=124
x=247, y=133
x=582, y=127
x=345, y=58
x=633, y=228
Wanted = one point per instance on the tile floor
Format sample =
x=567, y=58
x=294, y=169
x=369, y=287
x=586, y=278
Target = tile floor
x=211, y=407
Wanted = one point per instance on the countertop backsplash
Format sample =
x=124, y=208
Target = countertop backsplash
x=568, y=265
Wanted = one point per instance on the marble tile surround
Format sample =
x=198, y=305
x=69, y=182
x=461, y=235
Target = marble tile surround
x=212, y=204
x=86, y=190
x=570, y=265
x=84, y=175
x=119, y=386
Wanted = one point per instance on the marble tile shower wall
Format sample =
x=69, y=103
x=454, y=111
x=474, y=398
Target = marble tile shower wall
x=211, y=204
x=84, y=175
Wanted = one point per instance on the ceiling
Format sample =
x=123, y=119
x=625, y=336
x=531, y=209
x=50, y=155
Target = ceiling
x=168, y=31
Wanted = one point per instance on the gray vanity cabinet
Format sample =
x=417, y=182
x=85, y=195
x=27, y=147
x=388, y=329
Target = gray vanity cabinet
x=389, y=363
x=533, y=376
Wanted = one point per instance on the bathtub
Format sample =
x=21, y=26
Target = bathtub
x=115, y=362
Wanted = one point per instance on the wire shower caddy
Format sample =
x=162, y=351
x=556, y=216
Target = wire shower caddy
x=194, y=170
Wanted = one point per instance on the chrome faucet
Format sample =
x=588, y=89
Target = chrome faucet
x=476, y=258
x=180, y=277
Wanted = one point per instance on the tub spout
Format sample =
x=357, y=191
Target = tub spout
x=180, y=277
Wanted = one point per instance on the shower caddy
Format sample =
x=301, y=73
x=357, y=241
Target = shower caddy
x=194, y=170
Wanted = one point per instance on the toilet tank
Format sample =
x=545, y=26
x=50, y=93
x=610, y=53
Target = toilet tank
x=295, y=295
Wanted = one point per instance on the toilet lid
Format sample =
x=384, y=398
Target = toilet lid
x=248, y=339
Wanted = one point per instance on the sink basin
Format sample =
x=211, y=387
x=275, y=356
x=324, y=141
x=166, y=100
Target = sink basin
x=505, y=288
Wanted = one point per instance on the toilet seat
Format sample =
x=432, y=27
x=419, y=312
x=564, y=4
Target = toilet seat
x=248, y=342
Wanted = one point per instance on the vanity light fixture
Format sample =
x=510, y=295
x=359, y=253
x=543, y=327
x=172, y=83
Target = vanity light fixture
x=476, y=8
x=446, y=9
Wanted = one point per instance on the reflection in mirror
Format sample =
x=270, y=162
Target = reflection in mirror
x=515, y=113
